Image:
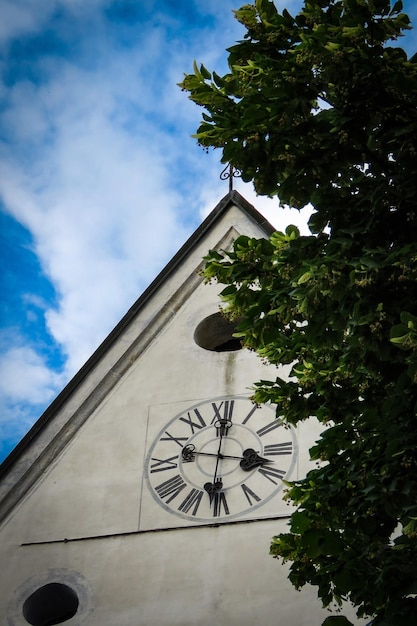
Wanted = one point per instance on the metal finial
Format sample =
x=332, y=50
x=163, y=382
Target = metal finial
x=230, y=173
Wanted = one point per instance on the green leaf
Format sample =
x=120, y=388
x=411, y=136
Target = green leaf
x=304, y=278
x=337, y=620
x=292, y=231
x=299, y=522
x=311, y=542
x=408, y=319
x=398, y=6
x=219, y=81
x=266, y=10
x=204, y=72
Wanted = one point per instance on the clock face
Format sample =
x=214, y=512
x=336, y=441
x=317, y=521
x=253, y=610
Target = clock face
x=220, y=459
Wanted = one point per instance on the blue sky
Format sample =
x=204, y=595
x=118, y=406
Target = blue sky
x=100, y=181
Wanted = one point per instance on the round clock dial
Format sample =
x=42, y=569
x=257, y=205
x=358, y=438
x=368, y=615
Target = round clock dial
x=220, y=459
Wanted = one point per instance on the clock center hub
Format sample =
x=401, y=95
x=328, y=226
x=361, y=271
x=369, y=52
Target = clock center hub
x=208, y=452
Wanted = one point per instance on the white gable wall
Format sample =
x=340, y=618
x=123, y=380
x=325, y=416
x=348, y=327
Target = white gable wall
x=90, y=520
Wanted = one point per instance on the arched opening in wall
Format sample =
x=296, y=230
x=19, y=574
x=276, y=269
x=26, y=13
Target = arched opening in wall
x=53, y=603
x=215, y=333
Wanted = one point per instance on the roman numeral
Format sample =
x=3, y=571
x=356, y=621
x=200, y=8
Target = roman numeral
x=220, y=506
x=192, y=500
x=249, y=415
x=271, y=473
x=170, y=488
x=227, y=406
x=161, y=465
x=278, y=448
x=223, y=422
x=267, y=429
x=188, y=420
x=250, y=494
x=177, y=440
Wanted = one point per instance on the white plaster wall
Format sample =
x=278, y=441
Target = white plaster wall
x=207, y=576
x=94, y=486
x=81, y=520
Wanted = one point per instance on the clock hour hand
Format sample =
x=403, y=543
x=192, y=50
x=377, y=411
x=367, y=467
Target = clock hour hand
x=251, y=459
x=248, y=461
x=189, y=453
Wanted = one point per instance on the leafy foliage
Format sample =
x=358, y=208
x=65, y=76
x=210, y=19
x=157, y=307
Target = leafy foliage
x=320, y=108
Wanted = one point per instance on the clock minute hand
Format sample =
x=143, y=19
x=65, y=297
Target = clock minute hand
x=214, y=488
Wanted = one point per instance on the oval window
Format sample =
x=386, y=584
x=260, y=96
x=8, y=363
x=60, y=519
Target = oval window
x=215, y=333
x=53, y=603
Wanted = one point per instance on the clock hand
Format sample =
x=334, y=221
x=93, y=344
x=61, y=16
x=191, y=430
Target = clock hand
x=213, y=488
x=222, y=428
x=189, y=452
x=248, y=461
x=251, y=459
x=219, y=456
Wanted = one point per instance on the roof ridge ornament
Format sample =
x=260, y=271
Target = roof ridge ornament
x=230, y=172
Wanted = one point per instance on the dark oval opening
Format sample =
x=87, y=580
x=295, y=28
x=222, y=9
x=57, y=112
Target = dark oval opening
x=53, y=603
x=215, y=333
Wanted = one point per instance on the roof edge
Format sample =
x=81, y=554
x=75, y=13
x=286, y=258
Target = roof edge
x=232, y=198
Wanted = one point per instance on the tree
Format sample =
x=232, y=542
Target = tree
x=321, y=108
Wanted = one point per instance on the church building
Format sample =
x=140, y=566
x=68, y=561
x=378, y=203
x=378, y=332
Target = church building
x=148, y=492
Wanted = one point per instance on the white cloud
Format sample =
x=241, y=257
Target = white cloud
x=278, y=216
x=23, y=374
x=21, y=18
x=104, y=220
x=27, y=17
x=27, y=385
x=94, y=182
